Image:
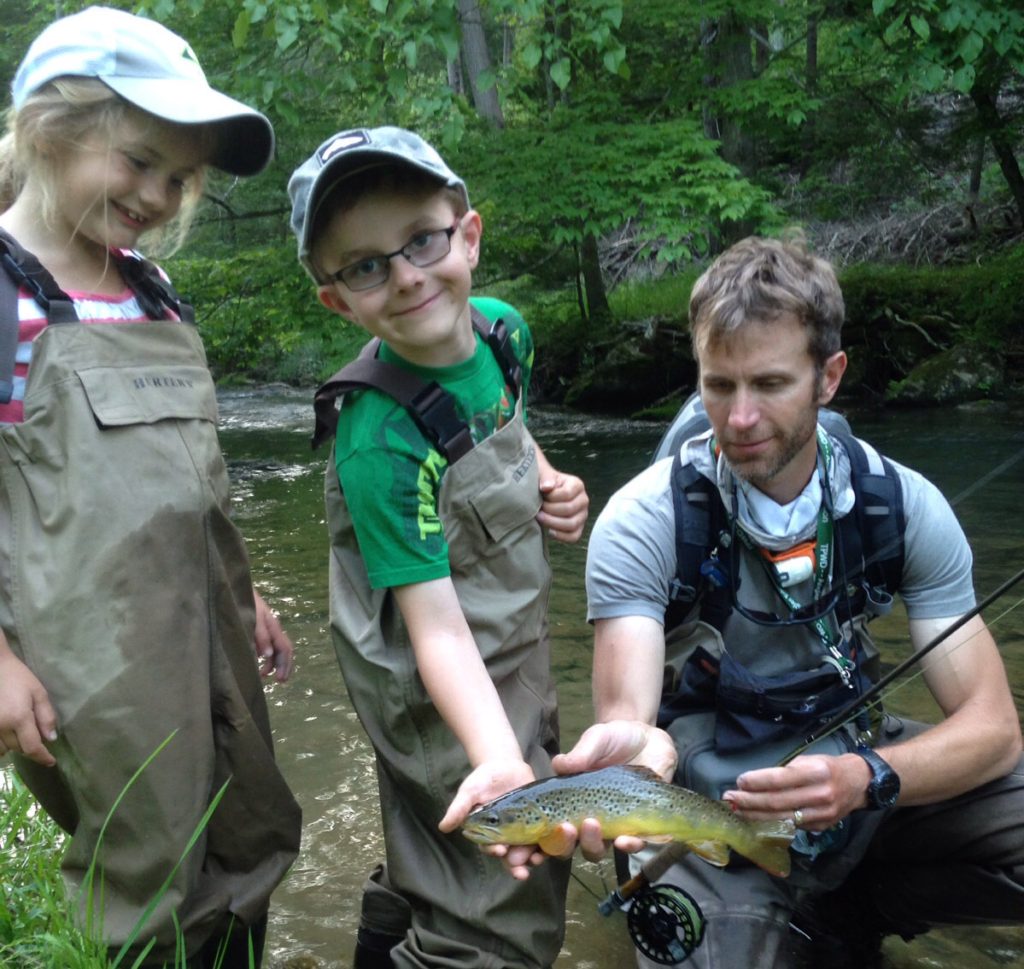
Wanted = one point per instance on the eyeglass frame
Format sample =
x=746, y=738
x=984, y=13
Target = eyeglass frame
x=337, y=275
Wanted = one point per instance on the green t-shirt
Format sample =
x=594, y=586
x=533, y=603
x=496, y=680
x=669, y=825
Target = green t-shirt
x=391, y=475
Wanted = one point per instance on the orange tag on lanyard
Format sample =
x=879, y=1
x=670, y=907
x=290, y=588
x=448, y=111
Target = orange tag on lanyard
x=792, y=565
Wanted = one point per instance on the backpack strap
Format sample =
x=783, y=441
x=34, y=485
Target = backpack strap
x=155, y=294
x=870, y=540
x=429, y=404
x=699, y=521
x=21, y=269
x=8, y=331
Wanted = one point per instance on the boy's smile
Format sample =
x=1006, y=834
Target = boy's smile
x=421, y=312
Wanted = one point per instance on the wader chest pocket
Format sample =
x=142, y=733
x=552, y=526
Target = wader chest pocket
x=503, y=506
x=121, y=396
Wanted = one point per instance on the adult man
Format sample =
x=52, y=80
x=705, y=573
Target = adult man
x=924, y=830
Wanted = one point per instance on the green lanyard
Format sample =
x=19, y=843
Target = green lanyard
x=824, y=560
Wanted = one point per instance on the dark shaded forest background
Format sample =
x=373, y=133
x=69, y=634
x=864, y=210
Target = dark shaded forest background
x=612, y=147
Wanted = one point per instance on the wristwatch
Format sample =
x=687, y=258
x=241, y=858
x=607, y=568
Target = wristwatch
x=884, y=786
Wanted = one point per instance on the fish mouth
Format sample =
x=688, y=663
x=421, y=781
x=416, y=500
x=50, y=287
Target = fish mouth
x=483, y=834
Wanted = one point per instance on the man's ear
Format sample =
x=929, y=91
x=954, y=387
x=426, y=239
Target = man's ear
x=472, y=229
x=831, y=375
x=328, y=294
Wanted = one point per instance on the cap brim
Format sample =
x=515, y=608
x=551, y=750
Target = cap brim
x=246, y=145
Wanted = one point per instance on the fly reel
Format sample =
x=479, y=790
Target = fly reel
x=665, y=924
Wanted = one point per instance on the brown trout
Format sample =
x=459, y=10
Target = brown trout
x=635, y=801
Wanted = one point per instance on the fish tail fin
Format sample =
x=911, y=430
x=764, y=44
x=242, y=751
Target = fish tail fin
x=769, y=847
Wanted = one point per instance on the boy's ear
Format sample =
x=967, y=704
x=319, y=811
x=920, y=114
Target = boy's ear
x=472, y=229
x=328, y=294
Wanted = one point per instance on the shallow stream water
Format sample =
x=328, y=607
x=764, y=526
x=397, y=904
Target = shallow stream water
x=278, y=486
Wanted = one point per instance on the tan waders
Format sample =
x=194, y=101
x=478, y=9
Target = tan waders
x=126, y=589
x=466, y=910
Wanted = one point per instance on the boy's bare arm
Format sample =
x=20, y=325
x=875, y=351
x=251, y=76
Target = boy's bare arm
x=564, y=501
x=26, y=715
x=457, y=681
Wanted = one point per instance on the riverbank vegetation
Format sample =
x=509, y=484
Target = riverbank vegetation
x=36, y=924
x=614, y=146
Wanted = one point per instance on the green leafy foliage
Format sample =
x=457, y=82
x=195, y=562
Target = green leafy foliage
x=259, y=316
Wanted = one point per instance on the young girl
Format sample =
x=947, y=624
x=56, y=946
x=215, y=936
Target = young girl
x=127, y=614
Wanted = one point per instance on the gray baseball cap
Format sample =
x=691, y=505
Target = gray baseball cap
x=353, y=151
x=153, y=69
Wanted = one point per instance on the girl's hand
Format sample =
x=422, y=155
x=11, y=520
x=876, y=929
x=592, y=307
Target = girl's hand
x=27, y=718
x=274, y=650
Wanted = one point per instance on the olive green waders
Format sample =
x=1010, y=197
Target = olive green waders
x=455, y=905
x=126, y=589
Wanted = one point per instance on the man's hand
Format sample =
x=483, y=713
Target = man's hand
x=274, y=650
x=823, y=789
x=27, y=718
x=620, y=742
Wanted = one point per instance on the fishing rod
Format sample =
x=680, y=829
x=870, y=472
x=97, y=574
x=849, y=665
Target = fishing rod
x=869, y=696
x=665, y=922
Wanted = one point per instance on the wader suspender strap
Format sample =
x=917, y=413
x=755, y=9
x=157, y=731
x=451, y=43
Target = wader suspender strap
x=22, y=269
x=430, y=405
x=870, y=540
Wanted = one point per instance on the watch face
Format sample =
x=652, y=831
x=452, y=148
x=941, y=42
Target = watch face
x=885, y=789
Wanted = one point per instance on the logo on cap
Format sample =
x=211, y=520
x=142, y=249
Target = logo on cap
x=343, y=143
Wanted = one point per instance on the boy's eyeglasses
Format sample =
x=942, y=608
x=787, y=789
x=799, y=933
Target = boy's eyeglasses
x=423, y=249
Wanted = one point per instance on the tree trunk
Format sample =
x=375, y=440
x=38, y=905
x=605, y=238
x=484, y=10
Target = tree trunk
x=478, y=61
x=455, y=79
x=1002, y=144
x=599, y=312
x=730, y=60
x=556, y=24
x=809, y=135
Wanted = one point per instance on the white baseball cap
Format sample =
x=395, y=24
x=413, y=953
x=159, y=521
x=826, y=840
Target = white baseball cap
x=152, y=68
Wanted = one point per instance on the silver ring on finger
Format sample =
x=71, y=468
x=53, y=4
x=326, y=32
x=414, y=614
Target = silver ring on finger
x=798, y=817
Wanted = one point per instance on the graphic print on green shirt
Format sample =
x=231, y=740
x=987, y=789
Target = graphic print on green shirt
x=391, y=476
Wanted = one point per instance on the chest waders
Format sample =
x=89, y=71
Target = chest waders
x=126, y=589
x=465, y=909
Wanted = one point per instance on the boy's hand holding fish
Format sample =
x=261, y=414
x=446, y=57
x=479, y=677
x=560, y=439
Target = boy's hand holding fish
x=601, y=745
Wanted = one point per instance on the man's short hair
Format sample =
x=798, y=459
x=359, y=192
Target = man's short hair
x=759, y=280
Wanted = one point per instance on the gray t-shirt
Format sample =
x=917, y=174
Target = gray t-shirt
x=631, y=560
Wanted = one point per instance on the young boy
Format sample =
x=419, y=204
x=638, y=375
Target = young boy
x=439, y=573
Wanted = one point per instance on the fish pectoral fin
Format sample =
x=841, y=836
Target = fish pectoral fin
x=658, y=839
x=553, y=843
x=713, y=852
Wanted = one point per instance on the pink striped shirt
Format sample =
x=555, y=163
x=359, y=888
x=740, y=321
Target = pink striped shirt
x=90, y=307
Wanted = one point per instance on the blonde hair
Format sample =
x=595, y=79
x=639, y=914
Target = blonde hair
x=52, y=121
x=758, y=281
